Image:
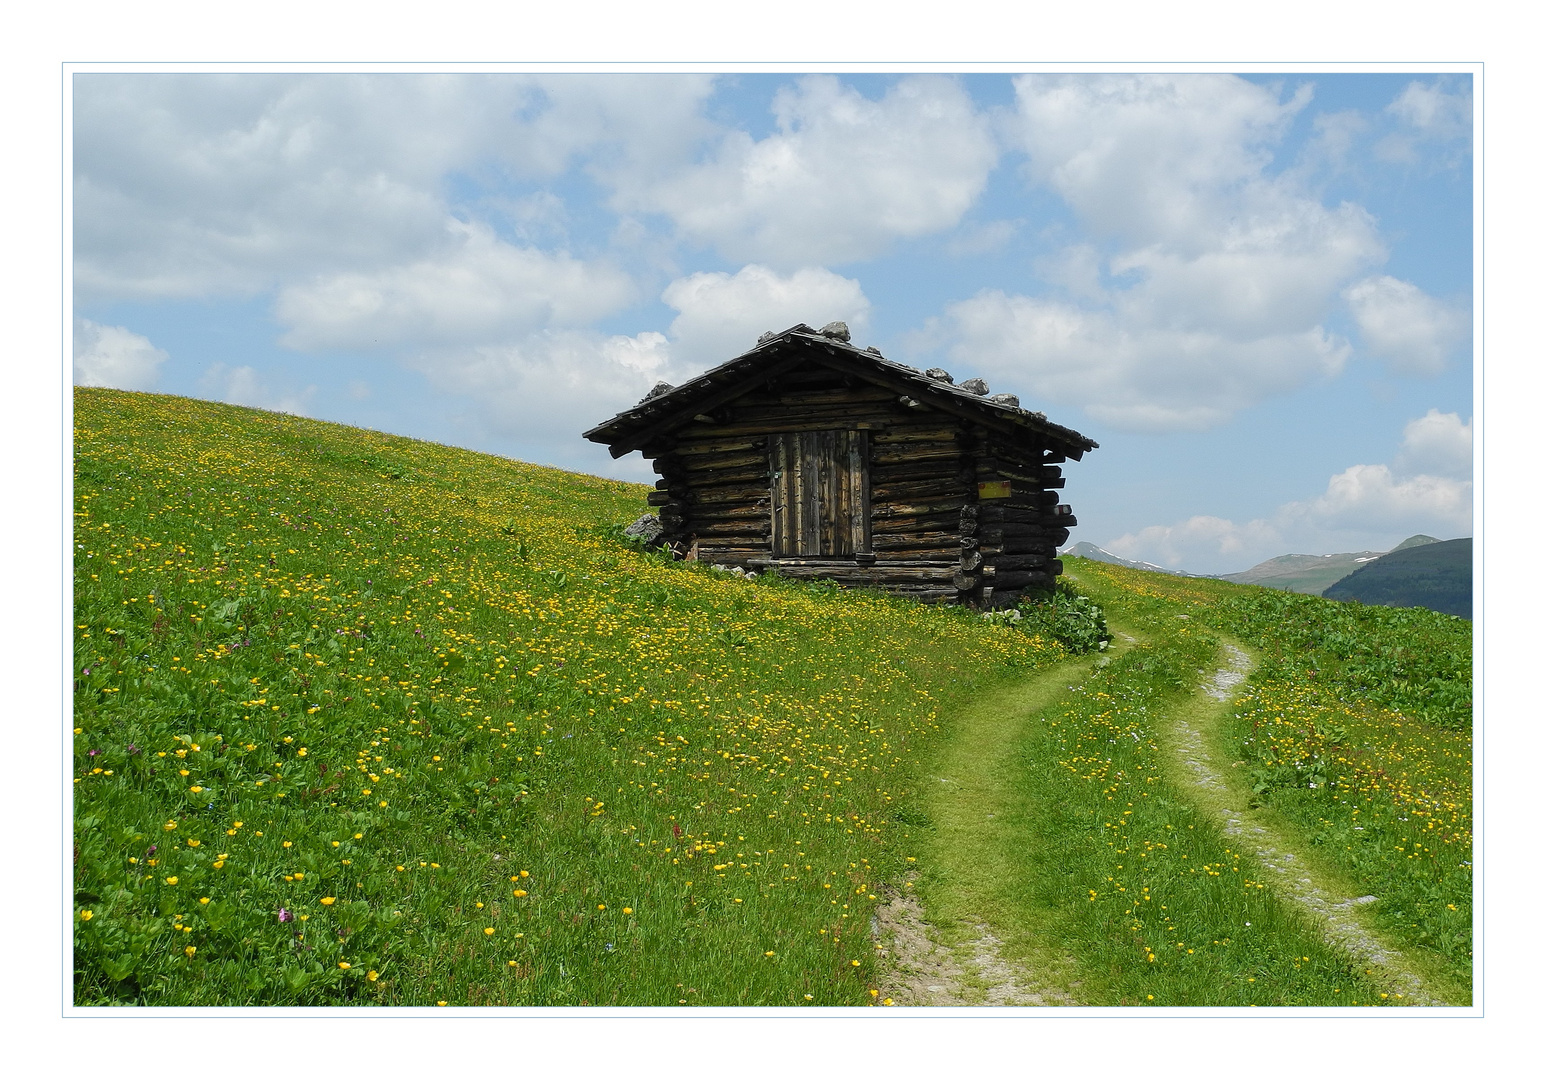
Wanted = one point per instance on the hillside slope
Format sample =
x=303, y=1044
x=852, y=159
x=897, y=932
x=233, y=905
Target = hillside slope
x=363, y=720
x=1436, y=576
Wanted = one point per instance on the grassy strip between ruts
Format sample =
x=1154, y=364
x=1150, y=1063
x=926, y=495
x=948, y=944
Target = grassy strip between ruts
x=1095, y=870
x=1353, y=735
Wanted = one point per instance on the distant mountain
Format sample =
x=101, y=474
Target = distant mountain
x=1303, y=573
x=1314, y=574
x=1086, y=550
x=1434, y=575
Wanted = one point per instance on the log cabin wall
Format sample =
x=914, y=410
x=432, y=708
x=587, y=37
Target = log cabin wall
x=927, y=536
x=1011, y=539
x=827, y=461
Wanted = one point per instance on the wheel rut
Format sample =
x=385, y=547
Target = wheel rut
x=956, y=952
x=957, y=956
x=1193, y=738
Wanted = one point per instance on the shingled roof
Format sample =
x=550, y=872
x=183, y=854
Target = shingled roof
x=774, y=353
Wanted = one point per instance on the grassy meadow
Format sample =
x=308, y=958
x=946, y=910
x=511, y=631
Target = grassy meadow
x=1354, y=732
x=363, y=720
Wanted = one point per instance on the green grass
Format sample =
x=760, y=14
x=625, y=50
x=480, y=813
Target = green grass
x=1096, y=870
x=1354, y=733
x=347, y=699
x=363, y=720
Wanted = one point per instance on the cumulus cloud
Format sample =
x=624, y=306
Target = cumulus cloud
x=1428, y=489
x=1436, y=113
x=1414, y=332
x=114, y=356
x=1438, y=444
x=205, y=185
x=547, y=387
x=1200, y=541
x=841, y=178
x=1210, y=278
x=1139, y=378
x=721, y=315
x=477, y=289
x=243, y=385
x=1373, y=497
x=539, y=388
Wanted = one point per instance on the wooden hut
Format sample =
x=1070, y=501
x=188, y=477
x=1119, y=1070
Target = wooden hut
x=825, y=460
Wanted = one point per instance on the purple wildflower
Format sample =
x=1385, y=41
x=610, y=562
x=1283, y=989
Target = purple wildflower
x=92, y=753
x=285, y=915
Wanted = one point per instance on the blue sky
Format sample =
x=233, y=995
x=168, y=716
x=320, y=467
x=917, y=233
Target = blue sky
x=1255, y=292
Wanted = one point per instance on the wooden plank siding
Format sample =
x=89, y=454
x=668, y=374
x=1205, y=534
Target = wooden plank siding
x=820, y=493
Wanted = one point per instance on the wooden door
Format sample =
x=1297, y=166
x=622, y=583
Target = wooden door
x=820, y=494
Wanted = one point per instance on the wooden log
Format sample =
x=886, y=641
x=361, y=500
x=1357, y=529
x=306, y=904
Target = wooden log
x=898, y=453
x=754, y=552
x=947, y=553
x=883, y=510
x=746, y=476
x=830, y=415
x=1035, y=561
x=918, y=524
x=998, y=534
x=715, y=495
x=722, y=462
x=971, y=560
x=734, y=533
x=903, y=472
x=897, y=433
x=1046, y=544
x=1027, y=455
x=718, y=447
x=904, y=541
x=850, y=574
x=1024, y=579
x=965, y=581
x=1004, y=512
x=730, y=512
x=792, y=398
x=918, y=490
x=936, y=564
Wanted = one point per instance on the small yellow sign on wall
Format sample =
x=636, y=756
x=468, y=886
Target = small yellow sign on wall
x=993, y=489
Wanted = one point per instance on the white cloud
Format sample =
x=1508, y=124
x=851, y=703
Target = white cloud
x=1154, y=158
x=1413, y=331
x=841, y=178
x=549, y=386
x=1364, y=507
x=478, y=289
x=1438, y=444
x=1200, y=541
x=244, y=386
x=1372, y=497
x=114, y=356
x=720, y=315
x=1133, y=376
x=1212, y=278
x=207, y=185
x=1429, y=114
